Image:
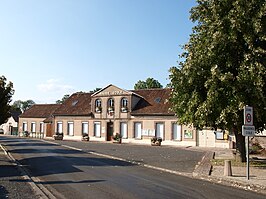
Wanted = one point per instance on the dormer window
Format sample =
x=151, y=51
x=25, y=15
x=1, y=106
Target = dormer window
x=98, y=106
x=110, y=105
x=124, y=105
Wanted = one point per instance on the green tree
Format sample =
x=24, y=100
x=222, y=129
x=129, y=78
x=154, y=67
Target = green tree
x=223, y=67
x=22, y=106
x=149, y=83
x=95, y=90
x=6, y=92
x=64, y=98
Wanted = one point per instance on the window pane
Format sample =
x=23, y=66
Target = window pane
x=33, y=127
x=176, y=132
x=160, y=130
x=41, y=127
x=97, y=129
x=123, y=129
x=70, y=128
x=25, y=126
x=59, y=127
x=137, y=128
x=85, y=128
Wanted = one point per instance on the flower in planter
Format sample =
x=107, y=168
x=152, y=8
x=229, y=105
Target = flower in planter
x=98, y=109
x=124, y=109
x=111, y=109
x=117, y=137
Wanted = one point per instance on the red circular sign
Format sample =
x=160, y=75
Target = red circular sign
x=248, y=117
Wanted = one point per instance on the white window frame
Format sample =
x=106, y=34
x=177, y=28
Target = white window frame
x=41, y=127
x=70, y=128
x=98, y=105
x=33, y=127
x=124, y=130
x=137, y=130
x=24, y=126
x=59, y=127
x=159, y=130
x=85, y=128
x=97, y=129
x=177, y=132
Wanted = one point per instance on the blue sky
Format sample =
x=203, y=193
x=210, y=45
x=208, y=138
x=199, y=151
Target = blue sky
x=49, y=48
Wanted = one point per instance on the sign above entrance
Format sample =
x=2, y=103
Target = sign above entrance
x=111, y=93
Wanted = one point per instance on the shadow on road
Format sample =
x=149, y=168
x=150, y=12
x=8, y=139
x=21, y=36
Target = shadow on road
x=61, y=182
x=48, y=165
x=38, y=151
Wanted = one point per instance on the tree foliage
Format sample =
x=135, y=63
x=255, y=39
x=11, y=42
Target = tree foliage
x=64, y=98
x=224, y=65
x=6, y=92
x=22, y=106
x=149, y=83
x=95, y=90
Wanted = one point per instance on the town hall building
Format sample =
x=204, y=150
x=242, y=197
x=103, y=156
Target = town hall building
x=136, y=115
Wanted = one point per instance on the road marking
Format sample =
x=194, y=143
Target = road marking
x=70, y=147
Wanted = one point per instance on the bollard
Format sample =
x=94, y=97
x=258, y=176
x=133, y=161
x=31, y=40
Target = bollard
x=227, y=168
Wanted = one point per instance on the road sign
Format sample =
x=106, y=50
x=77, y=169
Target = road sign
x=248, y=115
x=248, y=131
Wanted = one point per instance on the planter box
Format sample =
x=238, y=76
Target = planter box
x=157, y=143
x=85, y=138
x=58, y=137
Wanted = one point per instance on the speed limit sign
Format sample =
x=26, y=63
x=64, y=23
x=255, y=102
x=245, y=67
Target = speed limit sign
x=248, y=115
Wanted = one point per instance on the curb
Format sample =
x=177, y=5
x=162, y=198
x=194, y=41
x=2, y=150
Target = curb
x=203, y=172
x=39, y=189
x=233, y=183
x=204, y=167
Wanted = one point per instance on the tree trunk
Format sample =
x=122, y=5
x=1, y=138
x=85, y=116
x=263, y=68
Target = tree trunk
x=240, y=147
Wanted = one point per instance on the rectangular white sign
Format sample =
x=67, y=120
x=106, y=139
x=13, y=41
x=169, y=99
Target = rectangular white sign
x=248, y=131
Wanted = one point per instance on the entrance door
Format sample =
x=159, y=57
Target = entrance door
x=49, y=132
x=110, y=130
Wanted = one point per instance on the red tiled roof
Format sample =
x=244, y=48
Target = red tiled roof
x=154, y=102
x=40, y=111
x=76, y=104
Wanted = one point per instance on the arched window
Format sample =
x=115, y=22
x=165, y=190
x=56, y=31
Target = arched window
x=124, y=104
x=98, y=105
x=110, y=105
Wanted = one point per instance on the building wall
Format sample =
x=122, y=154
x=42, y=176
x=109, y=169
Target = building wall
x=6, y=126
x=29, y=121
x=148, y=124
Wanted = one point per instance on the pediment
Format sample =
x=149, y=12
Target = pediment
x=111, y=90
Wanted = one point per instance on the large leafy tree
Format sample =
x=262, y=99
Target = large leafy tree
x=22, y=106
x=149, y=83
x=6, y=92
x=223, y=67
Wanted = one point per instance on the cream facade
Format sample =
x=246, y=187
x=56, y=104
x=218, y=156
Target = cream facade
x=136, y=115
x=113, y=112
x=9, y=126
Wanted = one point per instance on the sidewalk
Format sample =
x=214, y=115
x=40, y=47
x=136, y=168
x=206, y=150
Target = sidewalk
x=12, y=182
x=257, y=177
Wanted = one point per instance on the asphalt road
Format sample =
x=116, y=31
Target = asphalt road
x=70, y=173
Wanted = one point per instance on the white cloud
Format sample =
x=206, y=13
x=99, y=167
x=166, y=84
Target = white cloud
x=55, y=86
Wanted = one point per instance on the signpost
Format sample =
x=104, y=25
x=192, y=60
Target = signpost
x=248, y=130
